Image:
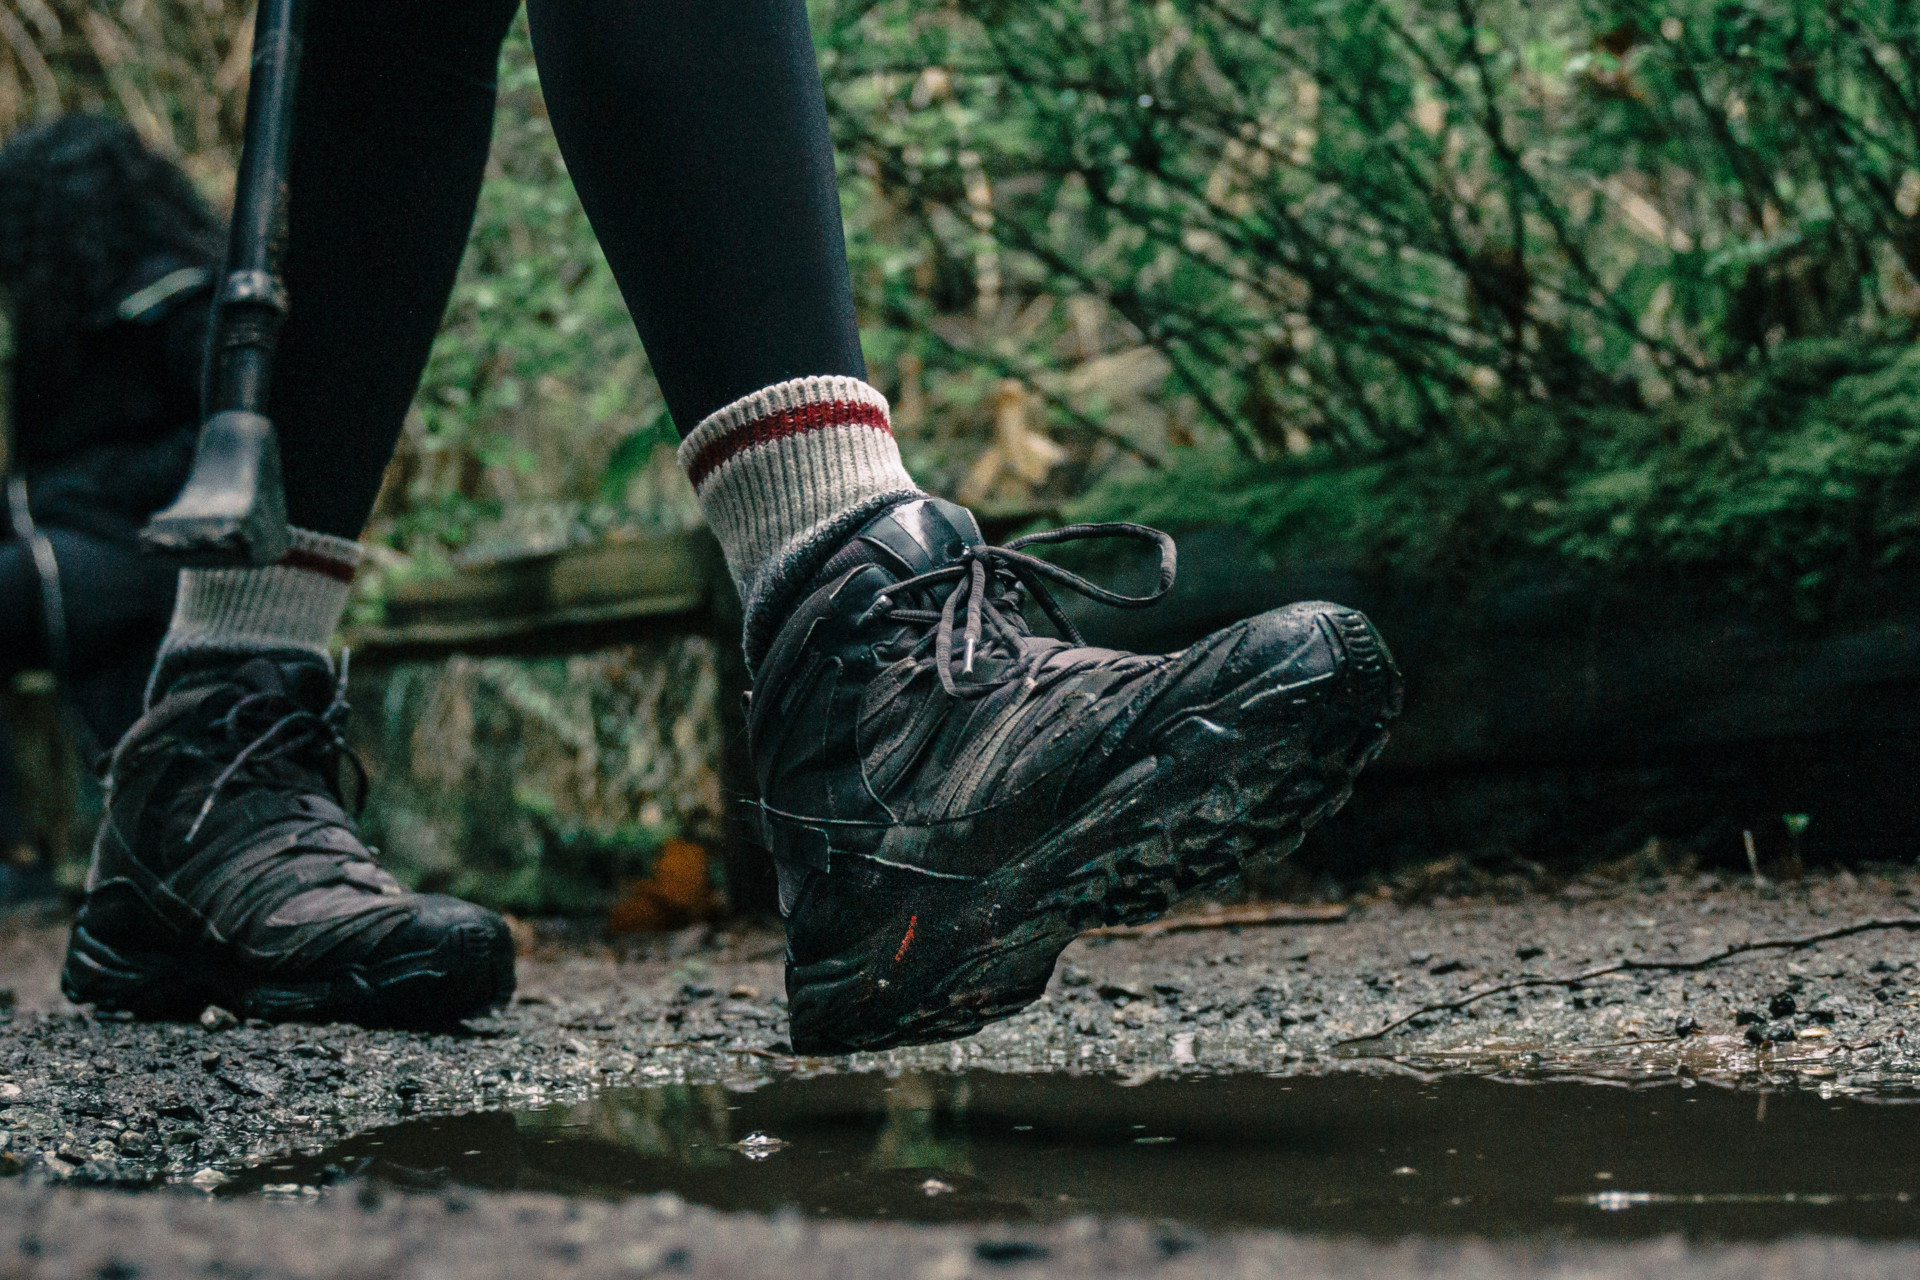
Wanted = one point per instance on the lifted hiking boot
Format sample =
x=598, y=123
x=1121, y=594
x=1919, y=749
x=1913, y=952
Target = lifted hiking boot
x=226, y=872
x=948, y=811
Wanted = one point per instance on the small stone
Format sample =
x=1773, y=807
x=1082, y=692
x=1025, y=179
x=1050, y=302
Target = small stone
x=1757, y=1033
x=1782, y=1005
x=208, y=1179
x=214, y=1018
x=1005, y=1252
x=209, y=1062
x=1747, y=1017
x=1446, y=967
x=757, y=1145
x=1528, y=952
x=1120, y=991
x=1781, y=1033
x=935, y=1187
x=1419, y=957
x=1072, y=975
x=742, y=991
x=1685, y=1025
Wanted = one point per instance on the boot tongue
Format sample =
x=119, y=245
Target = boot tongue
x=920, y=536
x=907, y=540
x=299, y=677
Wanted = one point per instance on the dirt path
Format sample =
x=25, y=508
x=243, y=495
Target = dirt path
x=88, y=1101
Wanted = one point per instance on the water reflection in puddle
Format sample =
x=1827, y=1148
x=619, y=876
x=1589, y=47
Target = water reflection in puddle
x=1376, y=1156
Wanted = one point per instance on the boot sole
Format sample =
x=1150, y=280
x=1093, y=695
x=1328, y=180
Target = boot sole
x=1188, y=821
x=468, y=973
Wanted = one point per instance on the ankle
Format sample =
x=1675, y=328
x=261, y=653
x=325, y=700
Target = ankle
x=290, y=609
x=785, y=477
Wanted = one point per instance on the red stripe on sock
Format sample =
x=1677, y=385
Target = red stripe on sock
x=314, y=562
x=788, y=422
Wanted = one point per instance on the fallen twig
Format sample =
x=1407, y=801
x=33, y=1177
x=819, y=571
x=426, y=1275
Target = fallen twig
x=1226, y=918
x=720, y=1048
x=1500, y=1051
x=1647, y=966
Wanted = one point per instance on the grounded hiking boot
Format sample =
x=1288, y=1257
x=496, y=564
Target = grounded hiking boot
x=227, y=872
x=951, y=799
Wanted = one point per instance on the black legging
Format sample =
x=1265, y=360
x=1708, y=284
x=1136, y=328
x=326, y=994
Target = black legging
x=696, y=134
x=117, y=602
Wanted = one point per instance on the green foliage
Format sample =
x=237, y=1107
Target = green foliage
x=1795, y=486
x=1364, y=222
x=538, y=785
x=1439, y=281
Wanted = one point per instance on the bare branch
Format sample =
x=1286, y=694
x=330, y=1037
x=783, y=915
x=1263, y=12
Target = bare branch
x=1876, y=924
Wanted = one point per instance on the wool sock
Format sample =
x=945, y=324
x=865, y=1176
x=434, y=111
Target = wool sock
x=785, y=476
x=290, y=607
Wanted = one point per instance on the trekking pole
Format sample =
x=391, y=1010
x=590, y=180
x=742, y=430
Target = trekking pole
x=232, y=511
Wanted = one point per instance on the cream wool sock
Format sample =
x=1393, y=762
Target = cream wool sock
x=295, y=605
x=785, y=476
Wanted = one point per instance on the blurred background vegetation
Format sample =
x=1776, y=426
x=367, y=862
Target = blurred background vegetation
x=1625, y=281
x=1623, y=286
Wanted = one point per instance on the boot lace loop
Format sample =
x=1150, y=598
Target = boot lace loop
x=987, y=582
x=298, y=732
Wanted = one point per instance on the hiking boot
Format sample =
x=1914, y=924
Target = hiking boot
x=228, y=872
x=951, y=799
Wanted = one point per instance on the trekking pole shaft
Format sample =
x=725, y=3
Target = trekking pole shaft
x=251, y=302
x=232, y=512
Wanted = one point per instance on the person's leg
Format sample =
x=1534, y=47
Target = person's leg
x=391, y=133
x=22, y=647
x=949, y=799
x=392, y=125
x=227, y=815
x=115, y=601
x=696, y=134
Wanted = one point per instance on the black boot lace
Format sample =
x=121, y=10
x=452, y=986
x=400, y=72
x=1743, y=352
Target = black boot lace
x=989, y=583
x=274, y=728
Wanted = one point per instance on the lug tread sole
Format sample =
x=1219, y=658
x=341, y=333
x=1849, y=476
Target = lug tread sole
x=463, y=977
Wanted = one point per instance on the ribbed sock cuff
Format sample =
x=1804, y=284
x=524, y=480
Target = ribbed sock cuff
x=293, y=606
x=786, y=475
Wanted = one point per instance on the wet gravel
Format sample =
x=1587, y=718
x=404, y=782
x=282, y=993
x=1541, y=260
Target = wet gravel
x=94, y=1100
x=90, y=1101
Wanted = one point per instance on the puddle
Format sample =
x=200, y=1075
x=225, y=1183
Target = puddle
x=1367, y=1155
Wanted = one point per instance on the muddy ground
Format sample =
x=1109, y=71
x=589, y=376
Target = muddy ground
x=88, y=1103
